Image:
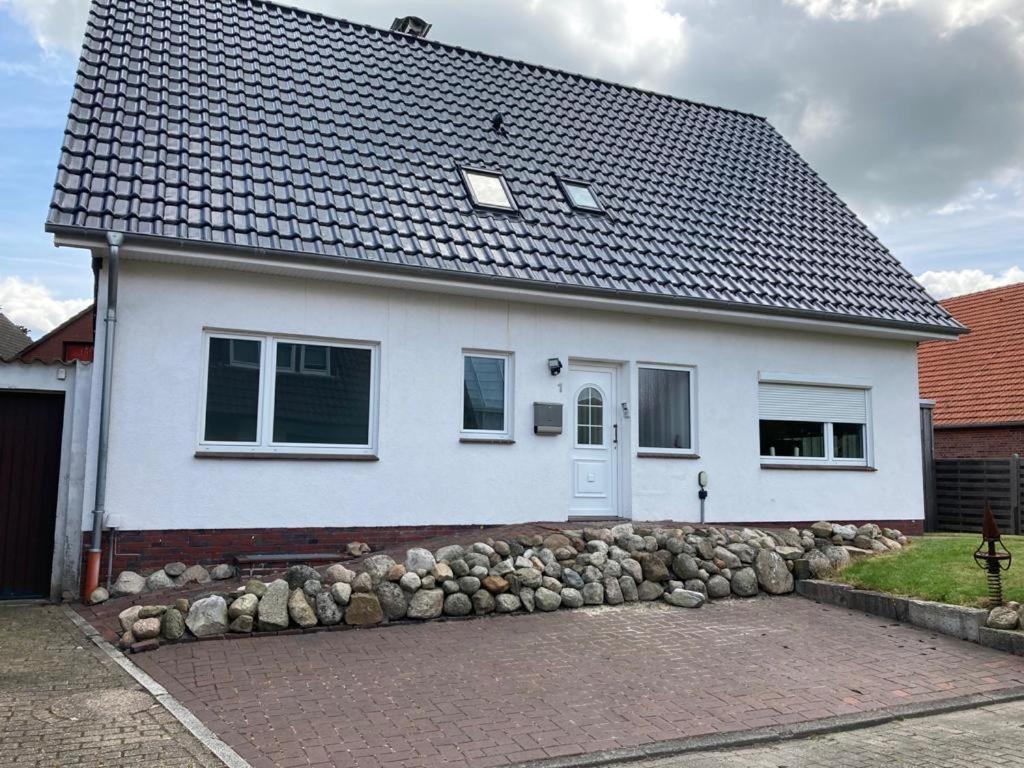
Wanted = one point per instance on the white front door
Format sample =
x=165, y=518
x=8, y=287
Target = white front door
x=592, y=412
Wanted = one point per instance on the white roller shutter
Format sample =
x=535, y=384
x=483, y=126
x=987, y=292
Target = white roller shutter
x=799, y=402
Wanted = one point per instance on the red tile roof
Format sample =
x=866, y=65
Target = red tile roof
x=980, y=378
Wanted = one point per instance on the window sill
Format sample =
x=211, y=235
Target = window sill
x=292, y=456
x=655, y=455
x=488, y=440
x=820, y=467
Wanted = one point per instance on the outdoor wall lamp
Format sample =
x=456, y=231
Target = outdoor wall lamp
x=554, y=365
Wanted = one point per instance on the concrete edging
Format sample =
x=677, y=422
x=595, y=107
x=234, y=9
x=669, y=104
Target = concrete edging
x=206, y=737
x=954, y=620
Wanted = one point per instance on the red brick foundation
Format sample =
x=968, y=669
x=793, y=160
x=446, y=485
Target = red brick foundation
x=978, y=442
x=148, y=550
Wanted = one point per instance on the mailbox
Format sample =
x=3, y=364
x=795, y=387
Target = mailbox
x=547, y=418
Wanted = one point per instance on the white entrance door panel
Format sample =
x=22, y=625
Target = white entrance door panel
x=592, y=413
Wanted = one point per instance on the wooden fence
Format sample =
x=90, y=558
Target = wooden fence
x=962, y=486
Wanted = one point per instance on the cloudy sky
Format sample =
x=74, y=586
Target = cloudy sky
x=913, y=110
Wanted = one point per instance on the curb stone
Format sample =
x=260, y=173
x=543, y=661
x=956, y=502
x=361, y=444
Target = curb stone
x=775, y=733
x=204, y=735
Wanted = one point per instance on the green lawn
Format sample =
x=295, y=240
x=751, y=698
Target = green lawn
x=938, y=567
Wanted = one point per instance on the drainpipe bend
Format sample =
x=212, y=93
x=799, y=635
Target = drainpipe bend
x=92, y=569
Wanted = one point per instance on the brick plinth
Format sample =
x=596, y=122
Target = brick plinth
x=978, y=442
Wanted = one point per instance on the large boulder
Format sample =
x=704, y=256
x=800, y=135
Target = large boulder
x=817, y=563
x=128, y=583
x=172, y=624
x=392, y=600
x=718, y=587
x=571, y=598
x=338, y=573
x=175, y=569
x=299, y=609
x=654, y=569
x=547, y=600
x=419, y=559
x=449, y=553
x=377, y=566
x=364, y=610
x=194, y=574
x=222, y=572
x=730, y=559
x=158, y=580
x=128, y=616
x=147, y=629
x=483, y=602
x=628, y=588
x=341, y=592
x=328, y=612
x=684, y=598
x=426, y=604
x=743, y=582
x=245, y=605
x=684, y=566
x=457, y=604
x=772, y=574
x=272, y=614
x=507, y=603
x=838, y=557
x=649, y=590
x=1002, y=617
x=593, y=593
x=208, y=617
x=297, y=575
x=822, y=530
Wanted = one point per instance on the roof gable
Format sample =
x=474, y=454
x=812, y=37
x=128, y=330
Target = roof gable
x=978, y=379
x=245, y=124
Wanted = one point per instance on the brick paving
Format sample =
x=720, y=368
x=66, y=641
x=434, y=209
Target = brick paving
x=506, y=689
x=65, y=703
x=986, y=737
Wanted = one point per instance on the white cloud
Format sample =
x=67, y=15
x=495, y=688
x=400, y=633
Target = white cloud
x=849, y=10
x=958, y=282
x=34, y=306
x=57, y=25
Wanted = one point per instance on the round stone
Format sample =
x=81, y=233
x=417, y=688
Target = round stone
x=457, y=604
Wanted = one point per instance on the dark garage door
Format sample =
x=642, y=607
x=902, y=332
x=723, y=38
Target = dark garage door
x=30, y=438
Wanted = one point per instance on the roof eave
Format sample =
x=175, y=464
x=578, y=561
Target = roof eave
x=84, y=237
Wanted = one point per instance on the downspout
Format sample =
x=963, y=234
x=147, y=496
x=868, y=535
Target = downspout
x=92, y=564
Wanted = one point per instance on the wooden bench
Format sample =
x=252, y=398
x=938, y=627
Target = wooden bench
x=264, y=563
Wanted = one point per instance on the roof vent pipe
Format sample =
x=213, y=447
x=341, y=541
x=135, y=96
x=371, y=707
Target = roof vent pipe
x=92, y=563
x=413, y=26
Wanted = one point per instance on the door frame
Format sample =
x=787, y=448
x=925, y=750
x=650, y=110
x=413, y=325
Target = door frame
x=621, y=450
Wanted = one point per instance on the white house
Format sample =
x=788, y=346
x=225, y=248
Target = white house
x=363, y=281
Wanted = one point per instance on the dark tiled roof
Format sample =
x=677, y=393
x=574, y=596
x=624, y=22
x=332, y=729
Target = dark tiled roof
x=13, y=338
x=979, y=379
x=246, y=124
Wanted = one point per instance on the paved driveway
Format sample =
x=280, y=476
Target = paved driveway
x=506, y=689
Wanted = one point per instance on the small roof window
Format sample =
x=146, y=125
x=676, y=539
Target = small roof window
x=488, y=189
x=580, y=195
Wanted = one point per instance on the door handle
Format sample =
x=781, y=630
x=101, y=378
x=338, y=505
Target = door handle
x=615, y=434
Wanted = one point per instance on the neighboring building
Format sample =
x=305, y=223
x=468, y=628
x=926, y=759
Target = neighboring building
x=71, y=340
x=369, y=282
x=13, y=338
x=977, y=383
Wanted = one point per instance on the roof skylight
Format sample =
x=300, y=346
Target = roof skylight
x=488, y=189
x=579, y=195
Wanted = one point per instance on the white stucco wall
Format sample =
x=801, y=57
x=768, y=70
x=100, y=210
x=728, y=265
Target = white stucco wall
x=424, y=474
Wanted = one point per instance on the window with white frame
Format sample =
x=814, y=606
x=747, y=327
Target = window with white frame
x=665, y=409
x=813, y=424
x=317, y=397
x=486, y=394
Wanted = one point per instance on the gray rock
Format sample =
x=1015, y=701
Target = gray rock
x=147, y=629
x=222, y=572
x=410, y=582
x=174, y=569
x=363, y=582
x=649, y=590
x=449, y=553
x=772, y=574
x=612, y=591
x=744, y=552
x=426, y=604
x=468, y=584
x=744, y=582
x=730, y=559
x=128, y=616
x=244, y=605
x=612, y=569
x=822, y=530
x=98, y=595
x=839, y=557
x=571, y=578
x=208, y=617
x=503, y=568
x=507, y=603
x=1002, y=617
x=450, y=587
x=654, y=569
x=194, y=574
x=479, y=571
x=628, y=588
x=457, y=604
x=526, y=597
x=483, y=601
x=706, y=549
x=630, y=542
x=297, y=575
x=341, y=592
x=817, y=563
x=593, y=593
x=377, y=566
x=476, y=560
x=427, y=582
x=529, y=577
x=845, y=532
x=718, y=587
x=128, y=583
x=694, y=585
x=460, y=567
x=327, y=610
x=241, y=625
x=553, y=569
x=338, y=573
x=790, y=553
x=172, y=624
x=158, y=580
x=312, y=587
x=299, y=609
x=272, y=613
x=442, y=572
x=363, y=610
x=571, y=598
x=546, y=600
x=419, y=559
x=685, y=566
x=591, y=573
x=684, y=598
x=392, y=600
x=255, y=587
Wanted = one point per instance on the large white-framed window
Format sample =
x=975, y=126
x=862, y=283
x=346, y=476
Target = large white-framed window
x=486, y=395
x=271, y=394
x=814, y=424
x=666, y=413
